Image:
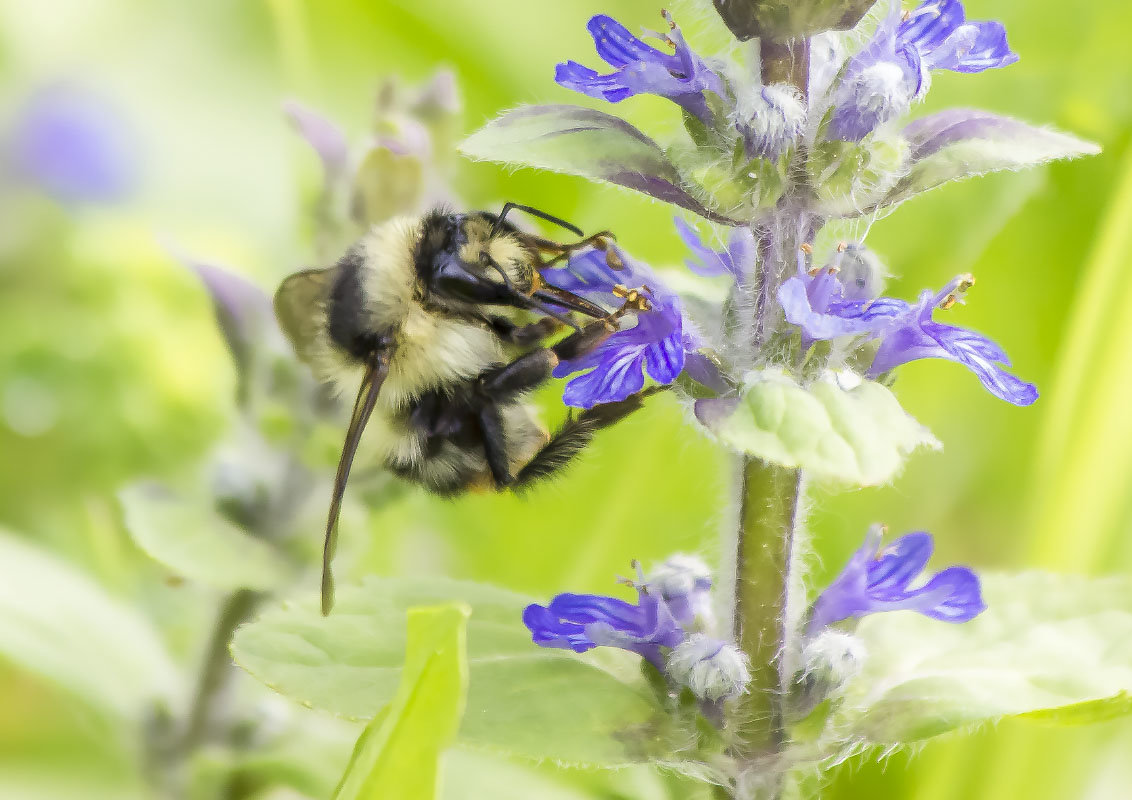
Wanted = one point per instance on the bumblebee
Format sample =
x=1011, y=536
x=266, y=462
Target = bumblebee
x=416, y=315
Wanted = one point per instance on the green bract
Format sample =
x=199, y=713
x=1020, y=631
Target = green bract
x=837, y=428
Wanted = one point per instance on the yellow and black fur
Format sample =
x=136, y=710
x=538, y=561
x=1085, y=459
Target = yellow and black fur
x=405, y=314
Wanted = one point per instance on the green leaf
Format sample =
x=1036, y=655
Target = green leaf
x=398, y=754
x=584, y=142
x=522, y=699
x=56, y=622
x=1050, y=647
x=838, y=428
x=197, y=543
x=962, y=143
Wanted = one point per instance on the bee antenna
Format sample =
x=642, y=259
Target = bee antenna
x=534, y=212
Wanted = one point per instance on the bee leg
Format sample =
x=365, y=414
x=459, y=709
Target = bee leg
x=575, y=434
x=524, y=335
x=527, y=372
x=495, y=445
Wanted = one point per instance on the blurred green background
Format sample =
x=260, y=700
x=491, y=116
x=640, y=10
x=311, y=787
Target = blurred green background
x=111, y=368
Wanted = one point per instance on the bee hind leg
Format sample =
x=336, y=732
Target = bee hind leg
x=569, y=440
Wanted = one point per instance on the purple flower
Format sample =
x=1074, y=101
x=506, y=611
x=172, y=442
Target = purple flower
x=659, y=343
x=907, y=332
x=683, y=582
x=737, y=259
x=581, y=622
x=680, y=76
x=324, y=136
x=74, y=145
x=877, y=580
x=893, y=69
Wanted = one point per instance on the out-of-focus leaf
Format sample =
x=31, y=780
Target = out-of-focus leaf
x=522, y=699
x=962, y=143
x=1055, y=648
x=856, y=434
x=1085, y=450
x=398, y=754
x=54, y=621
x=582, y=141
x=196, y=543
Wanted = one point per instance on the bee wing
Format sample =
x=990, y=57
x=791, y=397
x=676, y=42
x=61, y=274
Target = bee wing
x=300, y=307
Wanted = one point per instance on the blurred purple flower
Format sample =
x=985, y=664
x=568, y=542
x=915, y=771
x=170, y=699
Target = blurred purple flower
x=907, y=332
x=878, y=580
x=74, y=145
x=659, y=343
x=680, y=76
x=737, y=259
x=893, y=69
x=325, y=137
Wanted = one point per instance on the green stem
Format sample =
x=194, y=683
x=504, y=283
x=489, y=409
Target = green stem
x=216, y=668
x=765, y=618
x=786, y=62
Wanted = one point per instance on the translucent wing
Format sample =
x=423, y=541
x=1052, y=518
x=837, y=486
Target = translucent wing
x=300, y=307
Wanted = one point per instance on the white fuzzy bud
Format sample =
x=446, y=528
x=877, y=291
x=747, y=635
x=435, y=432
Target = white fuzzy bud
x=771, y=118
x=831, y=659
x=713, y=669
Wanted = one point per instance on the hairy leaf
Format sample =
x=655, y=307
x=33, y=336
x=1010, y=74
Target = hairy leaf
x=56, y=622
x=398, y=754
x=962, y=143
x=582, y=141
x=198, y=544
x=838, y=428
x=522, y=699
x=1050, y=647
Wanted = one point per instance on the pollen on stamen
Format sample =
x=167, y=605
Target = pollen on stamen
x=806, y=248
x=949, y=301
x=842, y=246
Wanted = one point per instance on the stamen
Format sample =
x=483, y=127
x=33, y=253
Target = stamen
x=966, y=282
x=842, y=247
x=668, y=18
x=613, y=259
x=806, y=248
x=634, y=300
x=949, y=301
x=671, y=44
x=814, y=272
x=833, y=270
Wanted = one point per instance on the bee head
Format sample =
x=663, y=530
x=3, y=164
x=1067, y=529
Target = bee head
x=465, y=260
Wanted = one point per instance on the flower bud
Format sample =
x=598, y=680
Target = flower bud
x=770, y=119
x=830, y=660
x=713, y=669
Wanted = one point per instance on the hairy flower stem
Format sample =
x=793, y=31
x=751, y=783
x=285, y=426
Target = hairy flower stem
x=786, y=62
x=767, y=516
